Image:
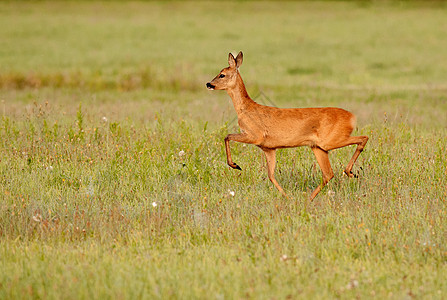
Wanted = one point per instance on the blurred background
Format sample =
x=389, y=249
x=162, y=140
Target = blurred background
x=132, y=45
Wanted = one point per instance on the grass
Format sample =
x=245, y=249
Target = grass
x=113, y=179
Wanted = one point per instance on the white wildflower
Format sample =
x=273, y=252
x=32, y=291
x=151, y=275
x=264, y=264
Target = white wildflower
x=352, y=284
x=283, y=257
x=154, y=204
x=181, y=153
x=104, y=119
x=37, y=218
x=231, y=193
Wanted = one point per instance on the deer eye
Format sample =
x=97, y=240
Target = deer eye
x=221, y=76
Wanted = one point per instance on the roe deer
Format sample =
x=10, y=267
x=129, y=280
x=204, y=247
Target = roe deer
x=270, y=128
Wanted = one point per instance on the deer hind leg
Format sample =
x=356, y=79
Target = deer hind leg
x=270, y=155
x=361, y=142
x=325, y=166
x=350, y=140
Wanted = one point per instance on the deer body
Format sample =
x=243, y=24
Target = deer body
x=271, y=128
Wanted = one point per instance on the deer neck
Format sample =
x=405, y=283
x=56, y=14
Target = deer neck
x=239, y=95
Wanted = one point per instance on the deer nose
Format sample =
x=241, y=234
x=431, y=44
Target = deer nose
x=210, y=86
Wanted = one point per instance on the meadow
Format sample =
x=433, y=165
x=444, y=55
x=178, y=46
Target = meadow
x=113, y=178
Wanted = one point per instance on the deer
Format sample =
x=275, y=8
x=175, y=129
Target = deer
x=270, y=128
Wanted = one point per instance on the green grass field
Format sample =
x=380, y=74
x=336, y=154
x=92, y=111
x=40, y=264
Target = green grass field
x=113, y=177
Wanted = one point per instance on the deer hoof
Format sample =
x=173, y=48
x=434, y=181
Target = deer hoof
x=235, y=166
x=351, y=175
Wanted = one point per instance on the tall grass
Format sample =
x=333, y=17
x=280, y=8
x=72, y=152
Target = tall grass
x=113, y=179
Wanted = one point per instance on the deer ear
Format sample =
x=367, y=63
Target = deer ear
x=231, y=61
x=239, y=59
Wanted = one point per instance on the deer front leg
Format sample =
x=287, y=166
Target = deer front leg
x=237, y=137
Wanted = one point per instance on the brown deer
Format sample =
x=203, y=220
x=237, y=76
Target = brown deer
x=270, y=128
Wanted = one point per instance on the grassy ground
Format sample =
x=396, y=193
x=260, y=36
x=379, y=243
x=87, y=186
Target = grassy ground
x=113, y=179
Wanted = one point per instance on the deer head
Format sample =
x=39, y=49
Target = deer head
x=226, y=79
